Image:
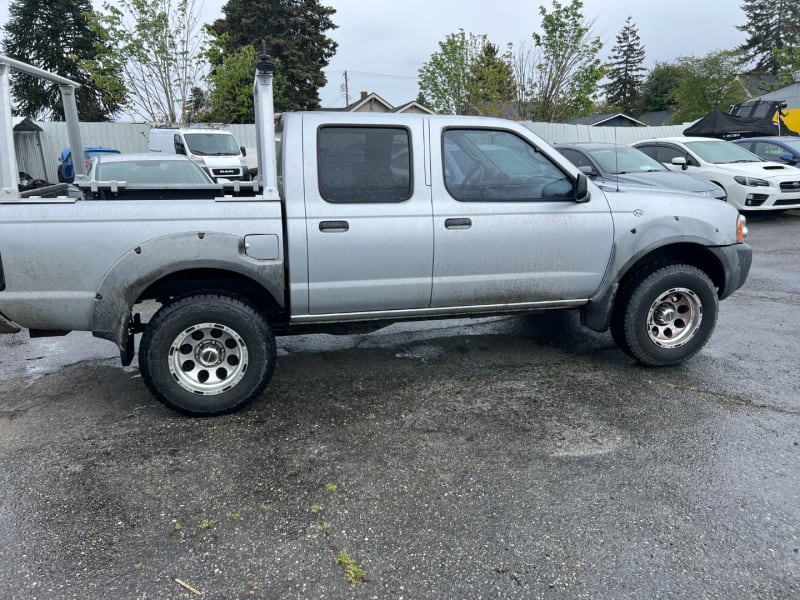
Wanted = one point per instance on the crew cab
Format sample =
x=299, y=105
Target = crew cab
x=362, y=219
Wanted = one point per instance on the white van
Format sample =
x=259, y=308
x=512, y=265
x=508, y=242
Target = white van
x=213, y=149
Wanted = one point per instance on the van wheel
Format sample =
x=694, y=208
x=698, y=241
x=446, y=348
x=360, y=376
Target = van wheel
x=667, y=316
x=207, y=354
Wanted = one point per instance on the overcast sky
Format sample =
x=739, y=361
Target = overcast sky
x=383, y=43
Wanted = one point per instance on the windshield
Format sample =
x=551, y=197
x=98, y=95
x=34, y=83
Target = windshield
x=722, y=152
x=90, y=154
x=793, y=144
x=623, y=159
x=212, y=144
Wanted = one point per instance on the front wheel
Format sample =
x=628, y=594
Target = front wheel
x=207, y=354
x=667, y=316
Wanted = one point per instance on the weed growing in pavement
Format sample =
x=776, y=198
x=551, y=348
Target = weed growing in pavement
x=353, y=573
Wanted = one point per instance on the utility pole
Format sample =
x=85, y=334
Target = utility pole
x=346, y=91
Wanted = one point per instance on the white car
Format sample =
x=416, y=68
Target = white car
x=751, y=184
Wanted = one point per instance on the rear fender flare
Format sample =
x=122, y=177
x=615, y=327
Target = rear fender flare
x=134, y=272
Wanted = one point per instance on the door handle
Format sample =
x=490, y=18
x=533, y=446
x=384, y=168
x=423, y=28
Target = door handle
x=334, y=226
x=458, y=223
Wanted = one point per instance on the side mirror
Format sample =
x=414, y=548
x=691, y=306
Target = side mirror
x=582, y=188
x=680, y=161
x=788, y=158
x=588, y=171
x=180, y=148
x=243, y=150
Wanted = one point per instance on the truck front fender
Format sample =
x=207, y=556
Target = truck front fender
x=665, y=238
x=160, y=257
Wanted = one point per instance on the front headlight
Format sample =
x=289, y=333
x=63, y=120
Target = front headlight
x=751, y=181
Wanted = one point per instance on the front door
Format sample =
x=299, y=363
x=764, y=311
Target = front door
x=507, y=227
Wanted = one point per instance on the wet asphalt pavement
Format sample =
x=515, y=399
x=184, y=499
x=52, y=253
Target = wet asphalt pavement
x=520, y=457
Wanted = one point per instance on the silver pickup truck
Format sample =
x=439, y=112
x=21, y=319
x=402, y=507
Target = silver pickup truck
x=360, y=218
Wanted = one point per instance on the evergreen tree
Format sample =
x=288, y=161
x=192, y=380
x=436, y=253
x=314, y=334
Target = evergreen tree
x=625, y=71
x=54, y=35
x=772, y=25
x=295, y=33
x=493, y=83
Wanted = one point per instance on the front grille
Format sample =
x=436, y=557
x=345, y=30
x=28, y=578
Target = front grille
x=225, y=171
x=787, y=202
x=790, y=186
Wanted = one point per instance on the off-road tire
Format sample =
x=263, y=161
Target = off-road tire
x=666, y=317
x=207, y=354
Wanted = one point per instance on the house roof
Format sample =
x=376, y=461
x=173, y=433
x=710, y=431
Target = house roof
x=372, y=102
x=367, y=99
x=412, y=106
x=24, y=124
x=757, y=84
x=658, y=117
x=602, y=119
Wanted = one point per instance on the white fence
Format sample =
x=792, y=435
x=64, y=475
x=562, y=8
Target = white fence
x=38, y=154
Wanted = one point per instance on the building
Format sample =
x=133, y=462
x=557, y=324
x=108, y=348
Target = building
x=372, y=102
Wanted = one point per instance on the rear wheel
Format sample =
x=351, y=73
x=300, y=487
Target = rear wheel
x=207, y=354
x=666, y=317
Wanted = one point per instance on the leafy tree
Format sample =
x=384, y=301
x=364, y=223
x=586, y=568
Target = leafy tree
x=707, y=83
x=230, y=99
x=295, y=33
x=566, y=64
x=625, y=71
x=157, y=45
x=55, y=35
x=772, y=25
x=444, y=79
x=466, y=76
x=658, y=90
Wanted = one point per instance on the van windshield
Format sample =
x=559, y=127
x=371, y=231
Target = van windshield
x=211, y=144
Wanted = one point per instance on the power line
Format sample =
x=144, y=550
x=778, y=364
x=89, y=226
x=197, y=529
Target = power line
x=369, y=74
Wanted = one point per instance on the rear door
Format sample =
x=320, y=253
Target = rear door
x=507, y=229
x=368, y=216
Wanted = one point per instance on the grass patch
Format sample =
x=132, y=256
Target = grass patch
x=353, y=573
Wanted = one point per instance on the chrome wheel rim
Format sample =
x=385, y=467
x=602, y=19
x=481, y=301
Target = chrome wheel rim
x=208, y=358
x=674, y=318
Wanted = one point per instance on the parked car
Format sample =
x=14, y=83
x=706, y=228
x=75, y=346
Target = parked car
x=774, y=148
x=147, y=168
x=751, y=184
x=614, y=164
x=66, y=170
x=146, y=176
